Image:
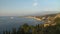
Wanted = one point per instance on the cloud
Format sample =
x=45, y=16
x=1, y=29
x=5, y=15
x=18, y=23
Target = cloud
x=35, y=4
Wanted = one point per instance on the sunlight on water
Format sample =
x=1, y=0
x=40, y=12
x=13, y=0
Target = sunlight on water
x=12, y=17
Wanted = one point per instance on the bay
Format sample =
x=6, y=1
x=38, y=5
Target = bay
x=6, y=23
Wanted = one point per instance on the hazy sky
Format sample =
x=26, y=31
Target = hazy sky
x=26, y=7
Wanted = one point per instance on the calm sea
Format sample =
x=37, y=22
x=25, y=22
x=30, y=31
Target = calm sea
x=9, y=22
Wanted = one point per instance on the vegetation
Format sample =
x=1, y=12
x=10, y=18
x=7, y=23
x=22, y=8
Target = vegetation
x=38, y=29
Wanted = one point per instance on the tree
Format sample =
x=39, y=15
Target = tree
x=14, y=31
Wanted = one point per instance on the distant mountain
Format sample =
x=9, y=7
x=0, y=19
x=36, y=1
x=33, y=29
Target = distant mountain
x=44, y=13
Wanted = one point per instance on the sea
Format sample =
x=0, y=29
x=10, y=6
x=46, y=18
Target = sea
x=9, y=22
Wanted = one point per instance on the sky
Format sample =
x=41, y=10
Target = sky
x=27, y=7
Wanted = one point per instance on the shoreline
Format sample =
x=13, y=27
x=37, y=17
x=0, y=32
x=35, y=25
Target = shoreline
x=35, y=18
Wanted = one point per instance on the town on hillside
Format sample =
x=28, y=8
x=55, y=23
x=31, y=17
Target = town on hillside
x=48, y=19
